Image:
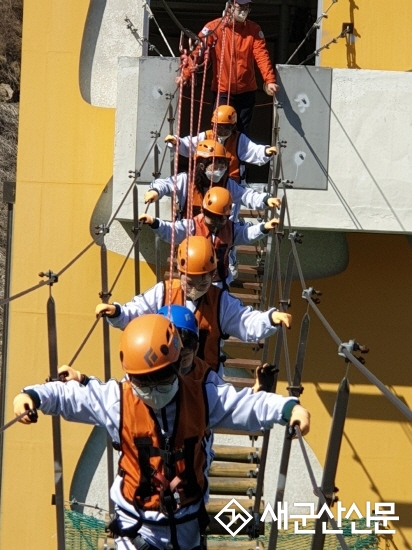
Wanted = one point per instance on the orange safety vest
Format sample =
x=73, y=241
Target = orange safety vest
x=231, y=147
x=158, y=472
x=199, y=371
x=197, y=202
x=208, y=319
x=222, y=244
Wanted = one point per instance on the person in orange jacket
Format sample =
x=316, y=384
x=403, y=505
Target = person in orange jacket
x=239, y=64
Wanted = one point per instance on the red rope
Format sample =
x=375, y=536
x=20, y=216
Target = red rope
x=174, y=196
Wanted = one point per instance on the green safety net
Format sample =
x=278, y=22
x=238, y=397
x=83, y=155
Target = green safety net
x=82, y=531
x=288, y=540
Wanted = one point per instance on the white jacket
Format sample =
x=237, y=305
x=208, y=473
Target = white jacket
x=99, y=404
x=236, y=319
x=240, y=195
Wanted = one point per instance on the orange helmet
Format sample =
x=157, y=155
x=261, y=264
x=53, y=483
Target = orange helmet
x=218, y=200
x=149, y=343
x=209, y=148
x=224, y=114
x=201, y=256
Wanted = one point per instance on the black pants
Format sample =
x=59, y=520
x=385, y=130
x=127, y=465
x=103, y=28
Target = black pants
x=244, y=105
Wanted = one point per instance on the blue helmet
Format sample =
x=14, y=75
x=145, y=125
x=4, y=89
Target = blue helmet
x=181, y=317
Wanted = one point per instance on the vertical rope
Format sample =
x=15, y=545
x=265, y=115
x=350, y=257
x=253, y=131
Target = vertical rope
x=174, y=196
x=202, y=94
x=232, y=49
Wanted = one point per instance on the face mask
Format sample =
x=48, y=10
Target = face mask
x=154, y=398
x=194, y=294
x=216, y=175
x=240, y=16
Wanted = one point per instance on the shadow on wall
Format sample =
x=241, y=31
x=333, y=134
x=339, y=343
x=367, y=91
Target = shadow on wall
x=102, y=211
x=88, y=49
x=87, y=465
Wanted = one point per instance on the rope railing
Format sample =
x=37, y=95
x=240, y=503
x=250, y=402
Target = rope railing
x=316, y=25
x=325, y=492
x=55, y=277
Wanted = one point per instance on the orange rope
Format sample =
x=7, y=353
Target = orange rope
x=232, y=49
x=174, y=197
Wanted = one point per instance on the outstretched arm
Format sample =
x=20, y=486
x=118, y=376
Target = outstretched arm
x=164, y=229
x=95, y=404
x=244, y=410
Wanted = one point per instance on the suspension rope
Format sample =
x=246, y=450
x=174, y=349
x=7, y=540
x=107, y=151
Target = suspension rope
x=307, y=295
x=316, y=25
x=138, y=172
x=153, y=18
x=326, y=46
x=232, y=49
x=174, y=195
x=202, y=93
x=315, y=487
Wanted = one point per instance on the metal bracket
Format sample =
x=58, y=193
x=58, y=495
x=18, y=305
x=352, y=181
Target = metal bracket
x=296, y=237
x=311, y=293
x=104, y=295
x=154, y=134
x=299, y=388
x=287, y=183
x=102, y=229
x=351, y=347
x=53, y=277
x=134, y=174
x=286, y=303
x=169, y=96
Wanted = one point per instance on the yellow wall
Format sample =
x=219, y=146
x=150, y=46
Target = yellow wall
x=370, y=302
x=374, y=302
x=382, y=31
x=65, y=160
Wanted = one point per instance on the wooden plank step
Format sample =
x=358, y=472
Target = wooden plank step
x=250, y=249
x=236, y=453
x=215, y=504
x=237, y=342
x=250, y=269
x=239, y=382
x=232, y=469
x=227, y=431
x=247, y=213
x=232, y=485
x=247, y=298
x=243, y=283
x=241, y=363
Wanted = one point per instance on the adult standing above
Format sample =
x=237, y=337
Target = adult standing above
x=236, y=66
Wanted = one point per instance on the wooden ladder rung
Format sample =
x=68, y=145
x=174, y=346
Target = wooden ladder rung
x=233, y=469
x=237, y=453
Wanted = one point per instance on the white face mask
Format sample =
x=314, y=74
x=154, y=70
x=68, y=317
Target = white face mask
x=194, y=294
x=240, y=17
x=216, y=175
x=154, y=398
